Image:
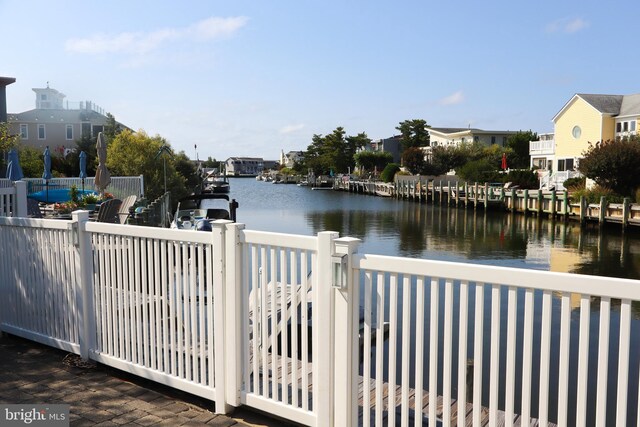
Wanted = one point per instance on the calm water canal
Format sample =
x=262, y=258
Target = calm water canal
x=409, y=229
x=406, y=228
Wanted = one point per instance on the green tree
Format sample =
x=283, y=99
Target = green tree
x=614, y=164
x=333, y=152
x=211, y=162
x=414, y=133
x=368, y=161
x=133, y=154
x=185, y=167
x=413, y=159
x=7, y=142
x=111, y=128
x=519, y=144
x=32, y=162
x=444, y=159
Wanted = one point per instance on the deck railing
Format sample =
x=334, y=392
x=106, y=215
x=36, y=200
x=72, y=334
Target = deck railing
x=309, y=330
x=13, y=199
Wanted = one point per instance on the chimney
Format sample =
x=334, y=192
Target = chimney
x=4, y=82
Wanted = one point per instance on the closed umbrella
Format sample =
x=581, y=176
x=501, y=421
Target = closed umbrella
x=46, y=175
x=83, y=168
x=14, y=171
x=504, y=161
x=102, y=179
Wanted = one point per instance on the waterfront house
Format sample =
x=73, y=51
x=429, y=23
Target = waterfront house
x=452, y=137
x=57, y=123
x=244, y=166
x=291, y=158
x=389, y=145
x=584, y=119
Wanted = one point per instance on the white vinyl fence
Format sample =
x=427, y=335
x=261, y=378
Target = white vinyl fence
x=120, y=187
x=13, y=199
x=309, y=330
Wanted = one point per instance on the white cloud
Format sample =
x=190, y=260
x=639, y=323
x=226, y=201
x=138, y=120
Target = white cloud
x=567, y=25
x=291, y=128
x=453, y=99
x=141, y=42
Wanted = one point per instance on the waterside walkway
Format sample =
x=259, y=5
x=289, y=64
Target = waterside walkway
x=102, y=396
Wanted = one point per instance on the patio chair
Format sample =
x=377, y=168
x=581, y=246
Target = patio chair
x=108, y=211
x=123, y=212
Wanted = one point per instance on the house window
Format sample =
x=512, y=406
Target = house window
x=625, y=127
x=69, y=132
x=576, y=132
x=504, y=141
x=96, y=130
x=565, y=165
x=618, y=127
x=41, y=132
x=632, y=127
x=476, y=139
x=493, y=139
x=463, y=140
x=24, y=131
x=43, y=97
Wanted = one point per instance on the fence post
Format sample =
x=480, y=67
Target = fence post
x=20, y=208
x=233, y=315
x=141, y=186
x=84, y=278
x=345, y=355
x=583, y=209
x=322, y=327
x=219, y=259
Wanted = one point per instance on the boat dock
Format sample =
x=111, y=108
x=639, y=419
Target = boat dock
x=555, y=204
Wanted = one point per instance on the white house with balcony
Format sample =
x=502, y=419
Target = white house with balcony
x=542, y=151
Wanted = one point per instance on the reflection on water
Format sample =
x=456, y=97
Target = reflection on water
x=498, y=238
x=404, y=228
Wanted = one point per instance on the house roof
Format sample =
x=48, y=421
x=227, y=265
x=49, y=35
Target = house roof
x=473, y=131
x=608, y=104
x=614, y=105
x=50, y=115
x=452, y=130
x=630, y=105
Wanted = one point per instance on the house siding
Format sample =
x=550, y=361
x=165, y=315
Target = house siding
x=579, y=113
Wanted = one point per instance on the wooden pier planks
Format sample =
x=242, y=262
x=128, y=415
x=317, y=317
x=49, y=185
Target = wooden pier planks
x=276, y=375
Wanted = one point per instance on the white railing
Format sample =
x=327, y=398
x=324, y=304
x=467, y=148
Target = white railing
x=556, y=179
x=542, y=147
x=13, y=199
x=120, y=187
x=307, y=329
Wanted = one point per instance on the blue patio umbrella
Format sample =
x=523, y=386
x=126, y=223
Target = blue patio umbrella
x=46, y=175
x=83, y=168
x=14, y=171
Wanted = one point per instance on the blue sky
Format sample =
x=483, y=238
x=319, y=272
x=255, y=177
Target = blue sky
x=250, y=78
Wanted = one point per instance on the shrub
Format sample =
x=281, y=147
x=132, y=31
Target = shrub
x=477, y=171
x=389, y=172
x=595, y=194
x=523, y=179
x=575, y=184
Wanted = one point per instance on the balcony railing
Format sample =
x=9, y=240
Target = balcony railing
x=542, y=147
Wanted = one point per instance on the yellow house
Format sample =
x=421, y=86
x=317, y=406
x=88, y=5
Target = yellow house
x=589, y=118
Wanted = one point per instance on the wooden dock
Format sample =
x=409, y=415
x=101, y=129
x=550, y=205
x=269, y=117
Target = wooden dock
x=554, y=204
x=387, y=410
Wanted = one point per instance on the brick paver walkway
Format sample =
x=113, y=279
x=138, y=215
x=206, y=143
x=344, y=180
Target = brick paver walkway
x=98, y=395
